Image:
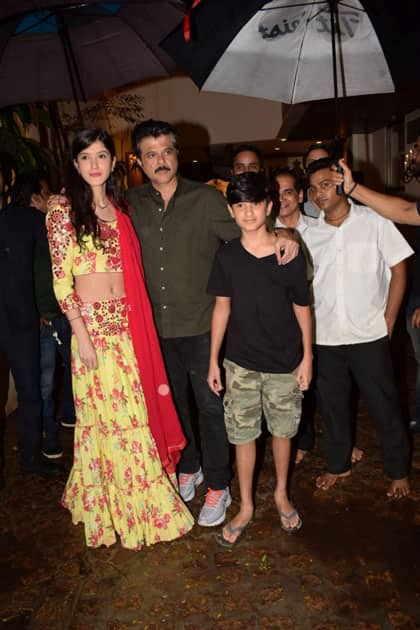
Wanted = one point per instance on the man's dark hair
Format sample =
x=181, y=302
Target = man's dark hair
x=285, y=171
x=252, y=149
x=314, y=147
x=26, y=185
x=154, y=128
x=251, y=187
x=318, y=165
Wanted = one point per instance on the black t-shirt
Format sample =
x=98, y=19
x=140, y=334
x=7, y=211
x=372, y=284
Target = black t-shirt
x=263, y=333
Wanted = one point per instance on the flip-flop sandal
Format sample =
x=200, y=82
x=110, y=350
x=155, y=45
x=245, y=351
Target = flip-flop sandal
x=223, y=542
x=288, y=517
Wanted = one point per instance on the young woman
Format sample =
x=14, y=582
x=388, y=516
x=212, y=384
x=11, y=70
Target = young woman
x=127, y=436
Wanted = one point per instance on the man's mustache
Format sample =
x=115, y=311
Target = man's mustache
x=162, y=168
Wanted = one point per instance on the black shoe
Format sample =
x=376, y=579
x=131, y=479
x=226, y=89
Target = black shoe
x=70, y=424
x=44, y=468
x=52, y=453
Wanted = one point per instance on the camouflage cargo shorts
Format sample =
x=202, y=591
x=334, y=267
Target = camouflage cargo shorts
x=248, y=393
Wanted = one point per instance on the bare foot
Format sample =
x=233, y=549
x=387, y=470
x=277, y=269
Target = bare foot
x=399, y=488
x=357, y=455
x=234, y=528
x=300, y=455
x=327, y=480
x=288, y=514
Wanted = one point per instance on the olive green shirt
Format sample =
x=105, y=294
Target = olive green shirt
x=178, y=246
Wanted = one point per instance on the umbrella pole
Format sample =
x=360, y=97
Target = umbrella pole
x=71, y=67
x=333, y=14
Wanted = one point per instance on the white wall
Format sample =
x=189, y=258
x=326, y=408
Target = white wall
x=226, y=117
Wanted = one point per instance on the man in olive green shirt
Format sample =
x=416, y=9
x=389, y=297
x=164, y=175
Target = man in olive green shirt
x=180, y=225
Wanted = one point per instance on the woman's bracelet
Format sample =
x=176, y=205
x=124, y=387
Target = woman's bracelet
x=73, y=318
x=352, y=189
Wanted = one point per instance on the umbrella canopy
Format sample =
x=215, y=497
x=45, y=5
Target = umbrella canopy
x=282, y=50
x=59, y=49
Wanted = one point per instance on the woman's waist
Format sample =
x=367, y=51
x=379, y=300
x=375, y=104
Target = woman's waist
x=94, y=287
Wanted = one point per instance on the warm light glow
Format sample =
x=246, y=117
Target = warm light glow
x=195, y=161
x=276, y=148
x=283, y=139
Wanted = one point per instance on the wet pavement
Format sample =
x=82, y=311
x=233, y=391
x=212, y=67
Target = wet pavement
x=354, y=564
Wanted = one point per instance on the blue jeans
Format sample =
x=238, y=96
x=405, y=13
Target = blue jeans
x=415, y=340
x=49, y=346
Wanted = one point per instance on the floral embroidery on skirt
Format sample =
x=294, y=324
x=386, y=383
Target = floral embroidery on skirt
x=117, y=484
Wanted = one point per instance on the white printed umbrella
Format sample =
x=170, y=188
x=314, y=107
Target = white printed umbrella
x=299, y=50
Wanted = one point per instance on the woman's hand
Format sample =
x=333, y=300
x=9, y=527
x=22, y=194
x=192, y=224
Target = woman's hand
x=87, y=353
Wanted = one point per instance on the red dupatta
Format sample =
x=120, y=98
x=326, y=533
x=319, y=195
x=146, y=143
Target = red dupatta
x=163, y=420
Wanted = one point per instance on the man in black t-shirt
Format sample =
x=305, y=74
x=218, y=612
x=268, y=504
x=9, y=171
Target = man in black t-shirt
x=268, y=359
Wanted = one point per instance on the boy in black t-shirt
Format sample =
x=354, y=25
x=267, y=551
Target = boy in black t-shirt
x=268, y=359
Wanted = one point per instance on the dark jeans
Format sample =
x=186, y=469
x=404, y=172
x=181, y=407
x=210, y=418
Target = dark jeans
x=187, y=362
x=49, y=348
x=21, y=349
x=415, y=341
x=371, y=367
x=305, y=437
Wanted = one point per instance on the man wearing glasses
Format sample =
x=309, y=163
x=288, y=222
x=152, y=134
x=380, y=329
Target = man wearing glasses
x=359, y=282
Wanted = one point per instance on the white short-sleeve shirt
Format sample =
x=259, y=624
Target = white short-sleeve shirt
x=351, y=275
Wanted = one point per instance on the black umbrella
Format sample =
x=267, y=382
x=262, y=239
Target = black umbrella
x=61, y=49
x=300, y=50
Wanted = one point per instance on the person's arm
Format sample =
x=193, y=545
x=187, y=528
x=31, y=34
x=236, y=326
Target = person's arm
x=60, y=237
x=219, y=322
x=286, y=246
x=395, y=208
x=304, y=372
x=396, y=291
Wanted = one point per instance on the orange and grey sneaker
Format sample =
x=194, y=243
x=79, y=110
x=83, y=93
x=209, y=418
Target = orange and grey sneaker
x=214, y=509
x=188, y=482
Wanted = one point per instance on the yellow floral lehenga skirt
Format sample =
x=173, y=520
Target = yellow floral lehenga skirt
x=117, y=484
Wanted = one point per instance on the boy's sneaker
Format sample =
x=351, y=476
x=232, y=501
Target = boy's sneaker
x=70, y=424
x=214, y=509
x=52, y=453
x=188, y=482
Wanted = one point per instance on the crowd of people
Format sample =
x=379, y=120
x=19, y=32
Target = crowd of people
x=144, y=295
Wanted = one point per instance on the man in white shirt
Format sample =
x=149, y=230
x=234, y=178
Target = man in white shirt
x=359, y=282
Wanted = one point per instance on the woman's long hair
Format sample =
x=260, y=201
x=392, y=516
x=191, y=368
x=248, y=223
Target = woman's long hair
x=79, y=193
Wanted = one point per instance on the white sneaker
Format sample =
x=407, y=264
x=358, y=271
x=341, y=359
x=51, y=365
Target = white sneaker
x=214, y=509
x=188, y=483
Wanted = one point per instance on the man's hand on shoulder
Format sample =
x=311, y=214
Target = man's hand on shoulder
x=286, y=245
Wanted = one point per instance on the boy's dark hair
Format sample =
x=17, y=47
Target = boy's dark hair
x=154, y=128
x=314, y=147
x=318, y=165
x=252, y=149
x=26, y=185
x=285, y=171
x=251, y=187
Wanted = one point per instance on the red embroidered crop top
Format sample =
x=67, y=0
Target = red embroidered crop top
x=69, y=260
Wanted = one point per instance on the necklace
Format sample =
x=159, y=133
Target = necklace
x=102, y=204
x=342, y=216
